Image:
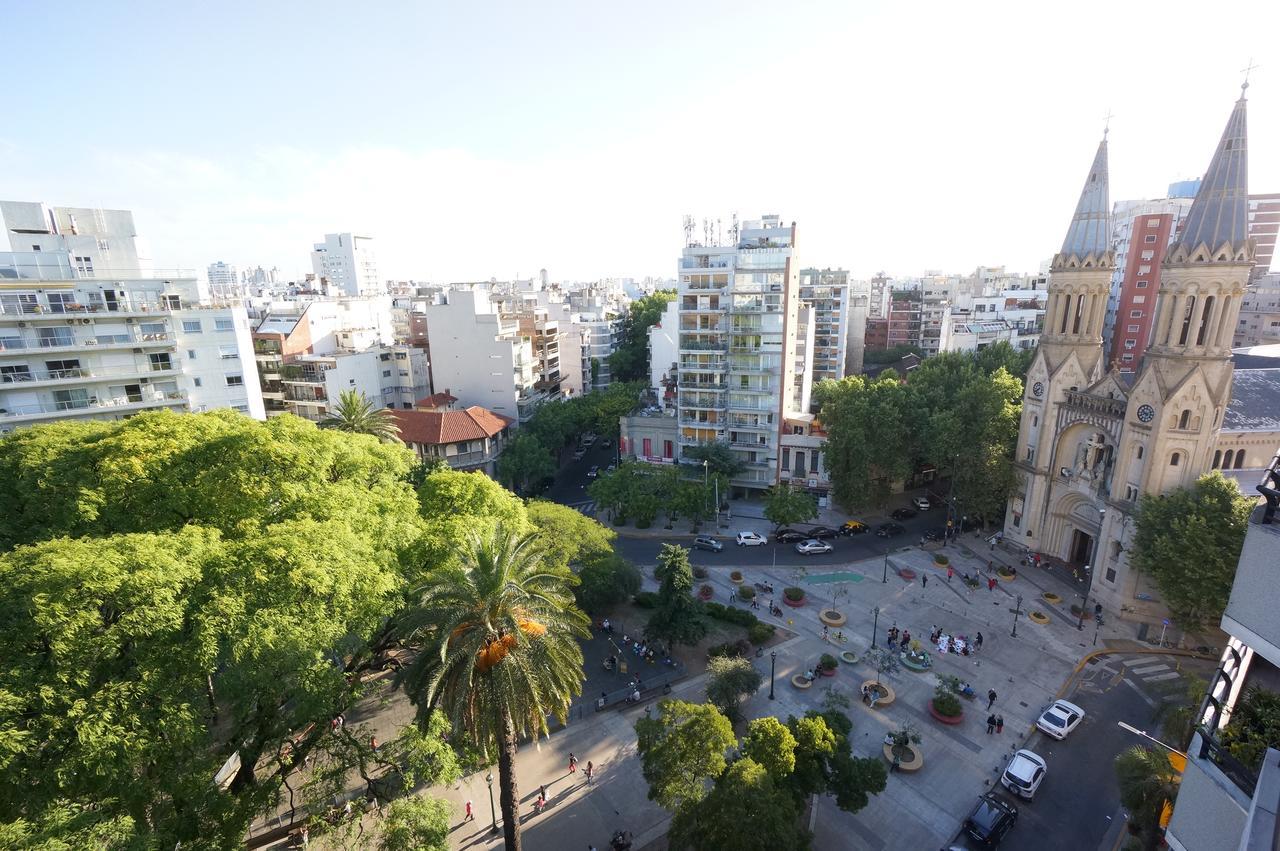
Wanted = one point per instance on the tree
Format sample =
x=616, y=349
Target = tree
x=455, y=506
x=606, y=582
x=745, y=810
x=825, y=764
x=785, y=505
x=1001, y=355
x=681, y=750
x=356, y=414
x=1189, y=541
x=868, y=442
x=881, y=660
x=524, y=461
x=676, y=620
x=729, y=679
x=416, y=824
x=1147, y=781
x=568, y=537
x=719, y=459
x=770, y=743
x=1254, y=726
x=630, y=362
x=499, y=653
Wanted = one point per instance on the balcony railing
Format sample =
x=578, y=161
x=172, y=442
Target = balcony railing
x=72, y=342
x=37, y=375
x=94, y=403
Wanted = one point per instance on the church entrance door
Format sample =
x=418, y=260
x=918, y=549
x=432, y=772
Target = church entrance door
x=1081, y=547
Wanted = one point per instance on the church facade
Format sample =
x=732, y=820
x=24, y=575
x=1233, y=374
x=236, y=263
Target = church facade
x=1092, y=442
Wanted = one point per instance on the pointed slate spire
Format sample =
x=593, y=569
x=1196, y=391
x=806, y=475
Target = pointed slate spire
x=1090, y=231
x=1220, y=212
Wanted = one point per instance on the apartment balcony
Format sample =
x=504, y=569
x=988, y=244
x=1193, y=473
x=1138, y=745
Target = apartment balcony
x=704, y=386
x=62, y=377
x=716, y=365
x=93, y=406
x=710, y=402
x=741, y=424
x=704, y=346
x=1255, y=593
x=763, y=404
x=49, y=345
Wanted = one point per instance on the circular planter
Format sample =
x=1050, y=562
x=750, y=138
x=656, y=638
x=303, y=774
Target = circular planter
x=940, y=560
x=918, y=667
x=848, y=657
x=800, y=682
x=1050, y=597
x=945, y=719
x=907, y=573
x=830, y=617
x=795, y=604
x=705, y=593
x=913, y=762
x=889, y=695
x=1038, y=617
x=1006, y=576
x=827, y=673
x=735, y=578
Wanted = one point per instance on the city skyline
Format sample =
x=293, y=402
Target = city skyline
x=577, y=140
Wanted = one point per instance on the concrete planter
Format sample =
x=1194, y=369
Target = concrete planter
x=919, y=667
x=1038, y=617
x=830, y=617
x=827, y=673
x=735, y=578
x=945, y=719
x=912, y=761
x=800, y=682
x=848, y=657
x=888, y=694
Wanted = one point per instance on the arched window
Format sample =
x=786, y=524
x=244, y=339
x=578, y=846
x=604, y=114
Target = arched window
x=1204, y=321
x=1075, y=326
x=1066, y=314
x=1217, y=458
x=1139, y=453
x=1186, y=320
x=1184, y=421
x=1175, y=459
x=1239, y=458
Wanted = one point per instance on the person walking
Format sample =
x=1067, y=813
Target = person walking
x=991, y=698
x=470, y=813
x=977, y=641
x=373, y=743
x=951, y=571
x=999, y=724
x=991, y=583
x=991, y=724
x=591, y=769
x=924, y=580
x=573, y=760
x=542, y=792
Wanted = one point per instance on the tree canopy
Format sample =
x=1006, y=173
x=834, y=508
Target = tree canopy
x=729, y=680
x=785, y=505
x=524, y=462
x=630, y=362
x=1189, y=541
x=677, y=618
x=681, y=750
x=356, y=414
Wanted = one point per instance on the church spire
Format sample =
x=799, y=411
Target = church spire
x=1090, y=231
x=1220, y=212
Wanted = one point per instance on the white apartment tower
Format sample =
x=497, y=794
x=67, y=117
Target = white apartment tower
x=826, y=291
x=738, y=308
x=224, y=280
x=346, y=262
x=89, y=330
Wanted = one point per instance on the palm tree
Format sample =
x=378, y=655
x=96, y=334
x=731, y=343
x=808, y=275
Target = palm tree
x=356, y=414
x=1147, y=781
x=498, y=650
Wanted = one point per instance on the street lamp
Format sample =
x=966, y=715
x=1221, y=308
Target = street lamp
x=1088, y=588
x=1181, y=765
x=884, y=578
x=705, y=476
x=773, y=663
x=1017, y=613
x=875, y=626
x=493, y=813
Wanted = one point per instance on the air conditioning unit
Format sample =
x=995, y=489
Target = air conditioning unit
x=129, y=320
x=86, y=321
x=138, y=351
x=22, y=325
x=71, y=322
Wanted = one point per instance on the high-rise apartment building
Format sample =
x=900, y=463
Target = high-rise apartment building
x=89, y=330
x=1259, y=322
x=738, y=373
x=1264, y=225
x=826, y=292
x=345, y=261
x=224, y=280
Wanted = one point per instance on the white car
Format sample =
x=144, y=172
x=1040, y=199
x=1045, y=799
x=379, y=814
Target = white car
x=921, y=503
x=751, y=539
x=1024, y=775
x=1059, y=719
x=811, y=546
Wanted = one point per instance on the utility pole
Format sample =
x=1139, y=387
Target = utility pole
x=1088, y=588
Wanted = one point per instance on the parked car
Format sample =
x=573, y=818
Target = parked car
x=751, y=539
x=704, y=542
x=812, y=546
x=594, y=471
x=921, y=503
x=935, y=534
x=903, y=513
x=990, y=820
x=789, y=536
x=607, y=442
x=588, y=439
x=823, y=532
x=1059, y=719
x=578, y=454
x=1024, y=774
x=854, y=527
x=613, y=465
x=888, y=530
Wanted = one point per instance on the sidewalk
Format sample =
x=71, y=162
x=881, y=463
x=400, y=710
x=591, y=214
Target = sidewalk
x=742, y=516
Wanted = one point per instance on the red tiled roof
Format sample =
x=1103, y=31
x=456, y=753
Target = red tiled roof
x=436, y=428
x=436, y=400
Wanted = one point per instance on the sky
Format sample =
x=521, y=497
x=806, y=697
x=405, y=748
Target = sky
x=488, y=140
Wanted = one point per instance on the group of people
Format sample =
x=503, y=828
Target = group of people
x=898, y=638
x=540, y=803
x=954, y=643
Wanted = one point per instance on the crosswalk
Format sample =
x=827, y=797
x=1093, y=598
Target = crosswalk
x=1153, y=677
x=587, y=507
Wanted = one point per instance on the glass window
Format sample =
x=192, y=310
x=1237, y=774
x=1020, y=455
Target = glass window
x=191, y=326
x=235, y=380
x=224, y=324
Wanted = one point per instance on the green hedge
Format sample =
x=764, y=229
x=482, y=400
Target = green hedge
x=730, y=614
x=647, y=600
x=759, y=633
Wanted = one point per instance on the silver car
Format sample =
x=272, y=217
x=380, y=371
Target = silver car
x=1024, y=775
x=811, y=546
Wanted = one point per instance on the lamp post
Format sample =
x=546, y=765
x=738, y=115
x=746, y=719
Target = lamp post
x=875, y=626
x=1088, y=588
x=705, y=478
x=1017, y=613
x=493, y=813
x=884, y=578
x=773, y=664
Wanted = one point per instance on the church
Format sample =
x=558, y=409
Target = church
x=1092, y=442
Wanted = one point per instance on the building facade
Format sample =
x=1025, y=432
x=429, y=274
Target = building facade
x=826, y=293
x=469, y=440
x=345, y=263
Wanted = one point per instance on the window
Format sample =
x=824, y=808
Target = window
x=159, y=361
x=1111, y=574
x=1031, y=453
x=1139, y=453
x=244, y=409
x=1217, y=458
x=191, y=354
x=648, y=446
x=1239, y=459
x=1130, y=492
x=224, y=324
x=191, y=326
x=197, y=382
x=1127, y=358
x=235, y=380
x=1175, y=459
x=1153, y=223
x=1139, y=299
x=228, y=351
x=786, y=459
x=1132, y=329
x=386, y=373
x=1131, y=344
x=1184, y=421
x=152, y=328
x=1148, y=255
x=1149, y=238
x=668, y=450
x=1135, y=314
x=1142, y=285
x=1144, y=270
x=1035, y=420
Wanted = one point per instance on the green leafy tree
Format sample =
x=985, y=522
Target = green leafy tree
x=455, y=505
x=682, y=750
x=499, y=651
x=677, y=619
x=890, y=355
x=719, y=459
x=356, y=414
x=1189, y=541
x=785, y=505
x=568, y=536
x=770, y=743
x=606, y=582
x=416, y=824
x=729, y=679
x=1001, y=355
x=745, y=810
x=524, y=462
x=1254, y=726
x=630, y=362
x=825, y=762
x=868, y=442
x=1147, y=780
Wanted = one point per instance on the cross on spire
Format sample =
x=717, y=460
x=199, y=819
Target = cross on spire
x=1106, y=122
x=1246, y=71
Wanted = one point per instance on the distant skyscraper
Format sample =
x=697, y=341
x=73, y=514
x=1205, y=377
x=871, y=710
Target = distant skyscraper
x=223, y=279
x=346, y=261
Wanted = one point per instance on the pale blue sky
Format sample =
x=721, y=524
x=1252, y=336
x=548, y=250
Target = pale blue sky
x=497, y=138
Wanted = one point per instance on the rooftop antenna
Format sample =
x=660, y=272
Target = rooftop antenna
x=718, y=231
x=688, y=230
x=734, y=230
x=706, y=231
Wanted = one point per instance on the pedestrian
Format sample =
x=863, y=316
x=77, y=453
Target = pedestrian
x=991, y=698
x=977, y=641
x=924, y=580
x=951, y=571
x=999, y=724
x=824, y=633
x=991, y=583
x=591, y=769
x=470, y=815
x=573, y=760
x=542, y=792
x=906, y=638
x=373, y=743
x=306, y=836
x=991, y=724
x=896, y=763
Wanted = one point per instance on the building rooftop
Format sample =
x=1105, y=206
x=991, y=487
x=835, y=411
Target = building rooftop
x=1090, y=231
x=1255, y=401
x=436, y=400
x=436, y=428
x=1220, y=212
